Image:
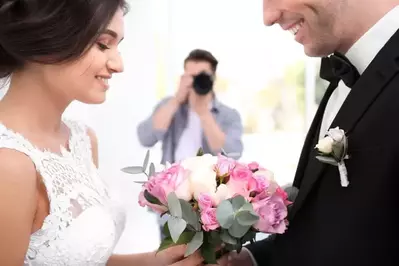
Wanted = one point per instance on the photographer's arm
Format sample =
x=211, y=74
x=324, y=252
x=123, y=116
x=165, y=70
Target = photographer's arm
x=228, y=140
x=153, y=129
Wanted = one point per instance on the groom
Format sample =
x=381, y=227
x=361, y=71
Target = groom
x=333, y=225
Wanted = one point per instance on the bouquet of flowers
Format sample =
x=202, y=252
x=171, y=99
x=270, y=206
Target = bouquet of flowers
x=213, y=202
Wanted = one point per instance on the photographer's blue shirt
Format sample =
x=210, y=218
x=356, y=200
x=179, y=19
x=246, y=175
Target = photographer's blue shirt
x=177, y=137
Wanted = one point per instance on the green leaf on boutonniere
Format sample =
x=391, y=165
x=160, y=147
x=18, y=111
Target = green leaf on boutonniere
x=194, y=244
x=200, y=152
x=338, y=150
x=174, y=205
x=328, y=160
x=176, y=227
x=151, y=199
x=146, y=160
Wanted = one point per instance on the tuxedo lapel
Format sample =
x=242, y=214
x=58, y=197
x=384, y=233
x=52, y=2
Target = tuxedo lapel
x=310, y=142
x=366, y=90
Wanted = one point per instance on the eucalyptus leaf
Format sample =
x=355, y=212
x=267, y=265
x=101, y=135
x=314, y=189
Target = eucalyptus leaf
x=134, y=170
x=151, y=172
x=165, y=244
x=249, y=237
x=140, y=182
x=200, y=152
x=174, y=205
x=146, y=159
x=227, y=238
x=247, y=207
x=189, y=215
x=237, y=230
x=327, y=160
x=194, y=244
x=237, y=202
x=151, y=199
x=246, y=218
x=176, y=227
x=225, y=214
x=184, y=238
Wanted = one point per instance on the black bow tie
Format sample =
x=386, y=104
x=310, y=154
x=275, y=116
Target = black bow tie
x=337, y=67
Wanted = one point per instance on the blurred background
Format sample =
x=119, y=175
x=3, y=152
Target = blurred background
x=262, y=72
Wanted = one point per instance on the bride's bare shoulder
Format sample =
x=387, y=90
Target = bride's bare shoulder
x=18, y=203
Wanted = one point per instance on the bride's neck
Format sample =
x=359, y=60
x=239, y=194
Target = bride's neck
x=30, y=103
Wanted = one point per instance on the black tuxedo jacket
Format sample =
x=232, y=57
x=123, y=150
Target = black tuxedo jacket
x=358, y=225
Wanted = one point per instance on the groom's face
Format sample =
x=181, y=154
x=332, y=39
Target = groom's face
x=316, y=24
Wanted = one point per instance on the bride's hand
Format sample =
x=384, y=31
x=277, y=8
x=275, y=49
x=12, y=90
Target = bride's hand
x=174, y=256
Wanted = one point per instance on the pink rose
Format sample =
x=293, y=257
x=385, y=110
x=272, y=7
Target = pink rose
x=261, y=183
x=254, y=166
x=241, y=173
x=272, y=213
x=208, y=218
x=241, y=182
x=160, y=185
x=205, y=201
x=224, y=165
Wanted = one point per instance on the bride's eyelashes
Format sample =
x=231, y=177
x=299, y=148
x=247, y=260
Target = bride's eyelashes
x=102, y=46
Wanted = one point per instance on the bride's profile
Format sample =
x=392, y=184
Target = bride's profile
x=54, y=207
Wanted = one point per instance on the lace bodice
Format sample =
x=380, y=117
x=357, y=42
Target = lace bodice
x=84, y=223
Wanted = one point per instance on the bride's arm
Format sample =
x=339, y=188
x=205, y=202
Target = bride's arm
x=173, y=256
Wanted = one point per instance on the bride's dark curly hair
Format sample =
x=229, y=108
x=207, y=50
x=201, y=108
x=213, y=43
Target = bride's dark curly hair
x=50, y=31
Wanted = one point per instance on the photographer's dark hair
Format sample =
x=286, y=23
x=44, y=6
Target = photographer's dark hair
x=50, y=31
x=199, y=55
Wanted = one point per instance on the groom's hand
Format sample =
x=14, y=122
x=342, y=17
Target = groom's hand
x=234, y=259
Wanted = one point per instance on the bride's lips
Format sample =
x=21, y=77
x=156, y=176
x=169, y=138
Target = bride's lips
x=103, y=81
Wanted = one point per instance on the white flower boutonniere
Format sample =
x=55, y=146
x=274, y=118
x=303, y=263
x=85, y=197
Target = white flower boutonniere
x=333, y=150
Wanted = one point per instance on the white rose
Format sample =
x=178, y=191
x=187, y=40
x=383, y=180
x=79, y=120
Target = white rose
x=325, y=145
x=203, y=180
x=221, y=194
x=183, y=191
x=204, y=161
x=336, y=134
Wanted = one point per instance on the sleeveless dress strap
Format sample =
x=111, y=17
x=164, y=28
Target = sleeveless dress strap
x=14, y=141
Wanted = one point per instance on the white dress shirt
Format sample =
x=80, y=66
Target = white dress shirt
x=361, y=54
x=191, y=138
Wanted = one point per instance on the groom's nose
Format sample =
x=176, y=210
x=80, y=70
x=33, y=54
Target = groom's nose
x=271, y=14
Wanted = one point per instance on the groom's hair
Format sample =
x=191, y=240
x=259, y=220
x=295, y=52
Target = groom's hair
x=199, y=55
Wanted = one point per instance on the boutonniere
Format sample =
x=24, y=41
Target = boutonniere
x=333, y=149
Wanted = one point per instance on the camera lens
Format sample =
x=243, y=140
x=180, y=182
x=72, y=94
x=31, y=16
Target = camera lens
x=202, y=83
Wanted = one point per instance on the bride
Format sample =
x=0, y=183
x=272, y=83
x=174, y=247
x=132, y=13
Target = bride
x=55, y=209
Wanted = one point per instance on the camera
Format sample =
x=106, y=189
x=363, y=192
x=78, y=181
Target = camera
x=202, y=83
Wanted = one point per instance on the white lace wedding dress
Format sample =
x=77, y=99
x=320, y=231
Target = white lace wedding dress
x=85, y=223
